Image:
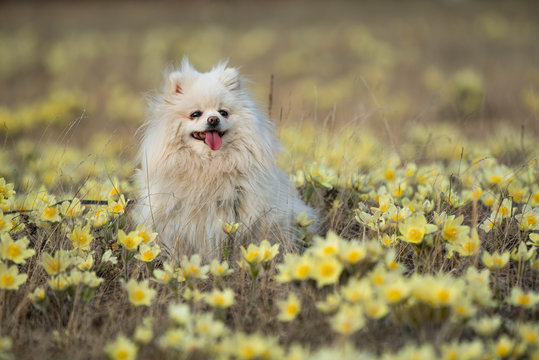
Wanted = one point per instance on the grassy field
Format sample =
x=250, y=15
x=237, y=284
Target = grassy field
x=411, y=127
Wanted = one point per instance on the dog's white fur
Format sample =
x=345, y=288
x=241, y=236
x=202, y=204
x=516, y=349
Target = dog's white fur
x=185, y=187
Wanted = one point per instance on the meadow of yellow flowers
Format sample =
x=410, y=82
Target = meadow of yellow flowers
x=423, y=257
x=417, y=145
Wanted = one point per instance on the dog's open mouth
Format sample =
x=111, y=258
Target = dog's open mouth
x=211, y=138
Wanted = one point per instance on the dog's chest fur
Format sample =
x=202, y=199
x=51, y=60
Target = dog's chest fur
x=186, y=206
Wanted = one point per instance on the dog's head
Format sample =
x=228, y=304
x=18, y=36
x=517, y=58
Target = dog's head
x=206, y=116
x=207, y=105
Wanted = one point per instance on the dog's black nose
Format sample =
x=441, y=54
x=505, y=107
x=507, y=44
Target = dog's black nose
x=213, y=121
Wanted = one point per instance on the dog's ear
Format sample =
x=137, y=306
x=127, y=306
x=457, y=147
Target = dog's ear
x=174, y=83
x=230, y=77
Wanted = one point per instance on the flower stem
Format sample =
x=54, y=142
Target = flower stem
x=229, y=240
x=126, y=264
x=3, y=301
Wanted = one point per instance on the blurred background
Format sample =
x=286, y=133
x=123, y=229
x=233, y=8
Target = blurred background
x=84, y=68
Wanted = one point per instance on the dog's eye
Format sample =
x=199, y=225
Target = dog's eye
x=223, y=113
x=195, y=114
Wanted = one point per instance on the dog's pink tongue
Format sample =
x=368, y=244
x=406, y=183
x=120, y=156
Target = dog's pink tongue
x=213, y=140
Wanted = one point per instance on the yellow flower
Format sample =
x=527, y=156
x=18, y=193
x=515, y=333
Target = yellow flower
x=529, y=333
x=294, y=267
x=395, y=291
x=252, y=255
x=478, y=286
x=218, y=269
x=91, y=279
x=180, y=313
x=466, y=245
x=114, y=191
x=356, y=291
x=489, y=222
x=534, y=200
x=436, y=291
x=146, y=233
x=139, y=293
x=59, y=282
x=72, y=209
x=390, y=260
x=172, y=338
x=415, y=228
x=37, y=295
x=267, y=251
x=5, y=222
x=528, y=219
x=192, y=269
x=498, y=175
x=352, y=252
x=374, y=222
x=81, y=238
x=328, y=246
x=84, y=264
x=15, y=251
x=463, y=350
x=99, y=217
x=378, y=276
x=389, y=241
x=165, y=275
x=330, y=304
x=503, y=347
x=522, y=254
x=487, y=326
x=130, y=241
x=516, y=192
x=495, y=261
x=326, y=270
x=411, y=169
x=375, y=309
x=148, y=253
x=301, y=268
x=348, y=320
x=229, y=228
x=389, y=174
x=488, y=198
x=453, y=228
x=144, y=333
x=289, y=308
x=207, y=326
x=320, y=175
x=523, y=299
x=6, y=190
x=220, y=299
x=504, y=210
x=121, y=349
x=10, y=279
x=117, y=208
x=397, y=214
x=56, y=264
x=249, y=347
x=49, y=213
x=75, y=277
x=463, y=308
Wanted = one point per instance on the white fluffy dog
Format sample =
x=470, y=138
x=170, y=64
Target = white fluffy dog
x=208, y=153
